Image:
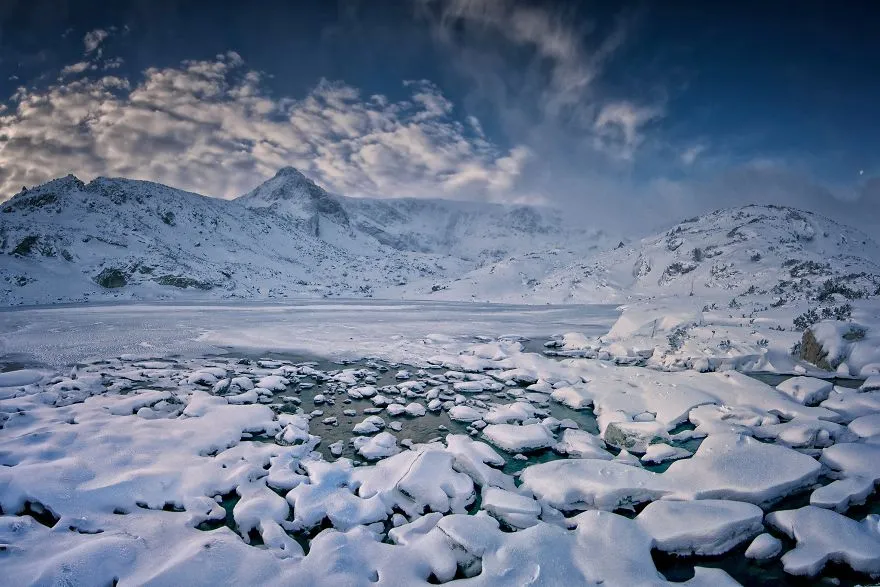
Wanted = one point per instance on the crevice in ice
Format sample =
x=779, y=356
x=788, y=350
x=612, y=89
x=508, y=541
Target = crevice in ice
x=39, y=512
x=476, y=505
x=168, y=506
x=631, y=510
x=84, y=530
x=870, y=506
x=253, y=538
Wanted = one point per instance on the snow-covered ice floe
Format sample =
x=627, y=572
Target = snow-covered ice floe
x=705, y=526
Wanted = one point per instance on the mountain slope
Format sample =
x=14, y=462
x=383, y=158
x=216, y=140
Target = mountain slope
x=781, y=253
x=119, y=238
x=476, y=232
x=70, y=241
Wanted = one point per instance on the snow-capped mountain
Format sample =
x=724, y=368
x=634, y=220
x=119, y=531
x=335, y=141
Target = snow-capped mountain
x=778, y=252
x=474, y=231
x=69, y=241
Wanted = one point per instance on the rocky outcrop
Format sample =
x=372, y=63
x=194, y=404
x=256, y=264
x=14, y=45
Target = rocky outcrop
x=111, y=278
x=812, y=352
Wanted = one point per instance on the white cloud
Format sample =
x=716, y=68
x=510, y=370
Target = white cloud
x=552, y=39
x=208, y=126
x=545, y=76
x=114, y=63
x=619, y=127
x=93, y=39
x=75, y=68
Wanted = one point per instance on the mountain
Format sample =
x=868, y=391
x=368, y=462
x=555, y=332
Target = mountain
x=67, y=240
x=70, y=241
x=296, y=198
x=476, y=232
x=780, y=253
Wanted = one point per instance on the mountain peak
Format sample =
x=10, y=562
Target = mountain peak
x=69, y=181
x=292, y=193
x=291, y=172
x=289, y=183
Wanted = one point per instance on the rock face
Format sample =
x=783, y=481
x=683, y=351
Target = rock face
x=848, y=348
x=812, y=352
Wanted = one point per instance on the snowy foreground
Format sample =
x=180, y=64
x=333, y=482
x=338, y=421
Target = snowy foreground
x=442, y=446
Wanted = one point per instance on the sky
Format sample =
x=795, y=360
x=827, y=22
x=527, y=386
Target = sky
x=628, y=114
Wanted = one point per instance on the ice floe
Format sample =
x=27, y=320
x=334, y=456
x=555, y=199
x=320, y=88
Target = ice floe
x=515, y=438
x=704, y=527
x=825, y=536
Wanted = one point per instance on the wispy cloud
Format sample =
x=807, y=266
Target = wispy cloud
x=619, y=127
x=93, y=39
x=75, y=68
x=689, y=156
x=542, y=61
x=209, y=126
x=600, y=148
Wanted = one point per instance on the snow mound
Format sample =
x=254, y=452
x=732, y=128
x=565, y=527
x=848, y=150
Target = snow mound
x=825, y=536
x=706, y=527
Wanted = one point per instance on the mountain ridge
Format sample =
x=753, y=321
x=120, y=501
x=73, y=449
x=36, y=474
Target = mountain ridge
x=780, y=250
x=418, y=225
x=116, y=238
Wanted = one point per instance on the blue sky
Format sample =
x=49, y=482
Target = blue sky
x=634, y=113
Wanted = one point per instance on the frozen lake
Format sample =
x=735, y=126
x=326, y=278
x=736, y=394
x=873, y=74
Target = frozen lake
x=361, y=442
x=337, y=329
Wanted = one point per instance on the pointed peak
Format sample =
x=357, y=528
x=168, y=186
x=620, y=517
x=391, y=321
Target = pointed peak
x=292, y=172
x=288, y=183
x=295, y=194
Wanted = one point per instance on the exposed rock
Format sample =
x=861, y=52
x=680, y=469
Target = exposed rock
x=183, y=282
x=26, y=246
x=111, y=278
x=634, y=436
x=812, y=352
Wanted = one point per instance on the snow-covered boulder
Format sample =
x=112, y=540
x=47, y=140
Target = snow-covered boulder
x=806, y=390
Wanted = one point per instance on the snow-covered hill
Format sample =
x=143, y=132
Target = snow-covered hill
x=779, y=253
x=68, y=241
x=118, y=238
x=731, y=289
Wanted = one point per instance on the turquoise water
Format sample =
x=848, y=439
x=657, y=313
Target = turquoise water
x=436, y=425
x=432, y=426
